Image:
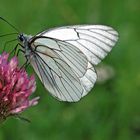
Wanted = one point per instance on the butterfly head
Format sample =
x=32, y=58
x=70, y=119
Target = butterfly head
x=24, y=38
x=21, y=38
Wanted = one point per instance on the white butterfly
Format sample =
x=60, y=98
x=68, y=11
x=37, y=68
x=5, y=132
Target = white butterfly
x=64, y=58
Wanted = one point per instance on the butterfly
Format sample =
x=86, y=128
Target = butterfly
x=64, y=58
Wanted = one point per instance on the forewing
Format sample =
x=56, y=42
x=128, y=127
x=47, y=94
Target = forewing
x=95, y=41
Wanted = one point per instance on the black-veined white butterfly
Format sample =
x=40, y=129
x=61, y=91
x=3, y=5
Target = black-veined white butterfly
x=64, y=58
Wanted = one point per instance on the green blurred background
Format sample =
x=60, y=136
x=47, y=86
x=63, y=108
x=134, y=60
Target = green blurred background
x=112, y=109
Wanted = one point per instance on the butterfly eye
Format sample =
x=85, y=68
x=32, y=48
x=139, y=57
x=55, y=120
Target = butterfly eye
x=21, y=37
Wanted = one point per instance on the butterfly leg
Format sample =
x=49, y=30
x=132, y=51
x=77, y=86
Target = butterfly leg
x=26, y=64
x=15, y=49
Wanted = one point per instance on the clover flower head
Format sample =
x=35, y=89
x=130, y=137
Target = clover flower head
x=15, y=87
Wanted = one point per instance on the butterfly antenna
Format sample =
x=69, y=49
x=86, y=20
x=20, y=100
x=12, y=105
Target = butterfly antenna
x=8, y=34
x=9, y=24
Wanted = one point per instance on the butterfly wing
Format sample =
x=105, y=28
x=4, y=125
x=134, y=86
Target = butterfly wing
x=95, y=41
x=77, y=48
x=62, y=68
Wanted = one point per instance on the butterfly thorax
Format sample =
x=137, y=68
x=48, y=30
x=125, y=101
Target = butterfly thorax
x=24, y=40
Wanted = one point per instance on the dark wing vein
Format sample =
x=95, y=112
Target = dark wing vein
x=106, y=35
x=96, y=38
x=69, y=48
x=90, y=50
x=46, y=75
x=65, y=86
x=52, y=82
x=54, y=58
